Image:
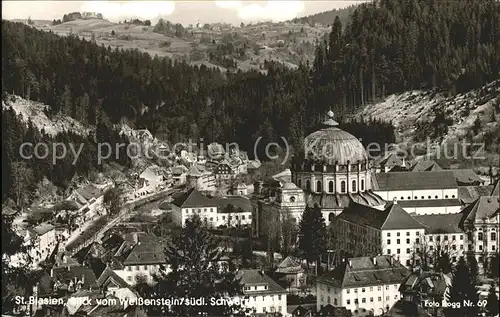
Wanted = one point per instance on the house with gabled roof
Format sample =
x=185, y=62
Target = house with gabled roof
x=425, y=166
x=263, y=294
x=292, y=272
x=364, y=283
x=190, y=203
x=139, y=258
x=391, y=231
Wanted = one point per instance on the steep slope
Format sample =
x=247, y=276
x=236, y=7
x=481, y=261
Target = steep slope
x=36, y=113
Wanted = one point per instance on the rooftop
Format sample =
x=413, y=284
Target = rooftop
x=193, y=198
x=148, y=249
x=366, y=271
x=466, y=177
x=443, y=223
x=483, y=207
x=467, y=194
x=414, y=180
x=90, y=191
x=391, y=218
x=337, y=201
x=257, y=277
x=425, y=166
x=43, y=228
x=240, y=204
x=429, y=203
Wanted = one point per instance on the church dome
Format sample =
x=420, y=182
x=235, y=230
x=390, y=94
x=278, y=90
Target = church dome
x=331, y=144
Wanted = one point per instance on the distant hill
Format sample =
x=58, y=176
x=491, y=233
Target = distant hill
x=327, y=17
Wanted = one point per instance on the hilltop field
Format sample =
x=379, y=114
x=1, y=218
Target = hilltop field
x=223, y=46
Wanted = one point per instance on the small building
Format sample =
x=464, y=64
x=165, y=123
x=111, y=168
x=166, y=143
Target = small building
x=370, y=284
x=224, y=171
x=390, y=161
x=263, y=294
x=233, y=211
x=43, y=239
x=425, y=166
x=292, y=271
x=179, y=174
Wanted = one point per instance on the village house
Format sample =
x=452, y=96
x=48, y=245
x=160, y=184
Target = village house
x=362, y=284
x=43, y=239
x=199, y=178
x=139, y=258
x=292, y=272
x=235, y=211
x=263, y=294
x=89, y=200
x=224, y=171
x=190, y=203
x=179, y=174
x=154, y=175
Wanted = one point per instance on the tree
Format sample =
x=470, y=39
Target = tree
x=492, y=304
x=22, y=181
x=16, y=279
x=476, y=125
x=194, y=257
x=493, y=267
x=473, y=268
x=112, y=200
x=462, y=288
x=312, y=234
x=288, y=232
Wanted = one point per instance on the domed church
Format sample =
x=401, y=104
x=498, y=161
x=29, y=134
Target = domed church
x=332, y=170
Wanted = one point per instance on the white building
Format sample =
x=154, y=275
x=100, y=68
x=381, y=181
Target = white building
x=420, y=192
x=364, y=283
x=42, y=239
x=190, y=203
x=154, y=176
x=369, y=231
x=201, y=179
x=262, y=293
x=143, y=255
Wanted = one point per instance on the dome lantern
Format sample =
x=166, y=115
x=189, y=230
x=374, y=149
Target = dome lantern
x=330, y=122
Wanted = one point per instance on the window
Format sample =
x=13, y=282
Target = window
x=299, y=182
x=362, y=290
x=461, y=237
x=407, y=233
x=388, y=241
x=454, y=247
x=480, y=236
x=480, y=248
x=137, y=268
x=371, y=299
x=318, y=186
x=379, y=288
x=396, y=296
x=379, y=299
x=493, y=236
x=407, y=241
x=387, y=287
x=355, y=290
x=387, y=298
x=371, y=289
x=388, y=234
x=348, y=302
x=398, y=241
x=398, y=234
x=342, y=186
x=335, y=302
x=330, y=186
x=129, y=268
x=398, y=251
x=445, y=238
x=417, y=240
x=279, y=297
x=408, y=251
x=308, y=185
x=362, y=184
x=453, y=238
x=354, y=188
x=356, y=301
x=388, y=251
x=348, y=291
x=363, y=300
x=145, y=267
x=129, y=278
x=431, y=238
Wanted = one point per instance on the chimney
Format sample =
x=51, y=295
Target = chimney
x=395, y=200
x=374, y=261
x=51, y=272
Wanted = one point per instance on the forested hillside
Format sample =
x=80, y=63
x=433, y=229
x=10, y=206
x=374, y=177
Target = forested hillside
x=386, y=47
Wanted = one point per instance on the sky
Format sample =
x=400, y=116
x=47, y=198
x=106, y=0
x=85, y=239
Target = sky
x=185, y=12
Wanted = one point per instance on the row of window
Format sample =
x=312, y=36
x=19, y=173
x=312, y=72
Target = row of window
x=428, y=197
x=198, y=210
x=343, y=189
x=144, y=267
x=407, y=233
x=379, y=288
x=270, y=297
x=445, y=238
x=363, y=300
x=249, y=288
